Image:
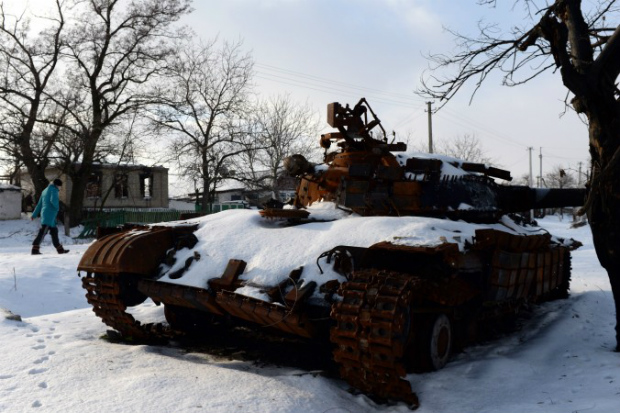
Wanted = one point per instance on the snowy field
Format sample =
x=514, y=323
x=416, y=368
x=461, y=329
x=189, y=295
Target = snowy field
x=54, y=360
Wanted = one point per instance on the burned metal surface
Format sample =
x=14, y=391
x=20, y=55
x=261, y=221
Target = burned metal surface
x=367, y=178
x=402, y=308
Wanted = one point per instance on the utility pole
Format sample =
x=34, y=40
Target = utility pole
x=531, y=180
x=579, y=175
x=541, y=177
x=430, y=127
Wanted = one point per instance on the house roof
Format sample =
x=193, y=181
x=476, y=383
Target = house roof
x=9, y=187
x=126, y=166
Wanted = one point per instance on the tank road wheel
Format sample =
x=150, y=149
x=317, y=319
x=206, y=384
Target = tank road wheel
x=431, y=343
x=440, y=342
x=129, y=294
x=110, y=295
x=187, y=320
x=371, y=332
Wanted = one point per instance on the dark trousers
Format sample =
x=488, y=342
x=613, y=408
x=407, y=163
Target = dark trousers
x=44, y=230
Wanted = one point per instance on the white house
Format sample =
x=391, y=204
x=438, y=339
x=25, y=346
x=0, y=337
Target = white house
x=10, y=201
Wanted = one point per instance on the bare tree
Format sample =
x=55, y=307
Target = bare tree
x=27, y=66
x=203, y=105
x=282, y=128
x=582, y=44
x=560, y=177
x=114, y=48
x=465, y=147
x=119, y=144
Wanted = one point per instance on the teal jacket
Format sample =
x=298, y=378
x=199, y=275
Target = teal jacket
x=47, y=206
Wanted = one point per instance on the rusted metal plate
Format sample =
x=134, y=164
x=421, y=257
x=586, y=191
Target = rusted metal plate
x=135, y=251
x=231, y=274
x=284, y=213
x=525, y=275
x=491, y=239
x=180, y=295
x=266, y=314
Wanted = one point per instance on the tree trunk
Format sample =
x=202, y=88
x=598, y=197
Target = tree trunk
x=603, y=207
x=79, y=178
x=40, y=182
x=605, y=228
x=205, y=199
x=76, y=202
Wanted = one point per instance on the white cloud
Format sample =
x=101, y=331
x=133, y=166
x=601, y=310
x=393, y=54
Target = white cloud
x=418, y=16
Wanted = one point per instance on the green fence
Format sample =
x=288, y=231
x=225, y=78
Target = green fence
x=111, y=219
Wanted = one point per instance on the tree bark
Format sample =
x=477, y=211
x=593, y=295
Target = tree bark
x=603, y=207
x=606, y=236
x=592, y=80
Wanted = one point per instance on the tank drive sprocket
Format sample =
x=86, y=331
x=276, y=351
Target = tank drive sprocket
x=108, y=295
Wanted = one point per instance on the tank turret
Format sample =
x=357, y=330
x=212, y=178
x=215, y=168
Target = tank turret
x=363, y=175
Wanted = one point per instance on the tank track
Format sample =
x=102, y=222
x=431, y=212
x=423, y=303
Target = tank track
x=103, y=292
x=372, y=333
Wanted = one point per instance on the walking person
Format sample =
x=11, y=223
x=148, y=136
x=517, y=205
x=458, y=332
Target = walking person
x=48, y=207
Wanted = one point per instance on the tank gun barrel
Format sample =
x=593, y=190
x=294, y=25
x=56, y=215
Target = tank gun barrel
x=523, y=198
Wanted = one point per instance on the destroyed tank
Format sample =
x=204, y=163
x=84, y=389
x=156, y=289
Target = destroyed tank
x=398, y=260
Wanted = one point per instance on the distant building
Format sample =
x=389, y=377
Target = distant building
x=10, y=202
x=235, y=191
x=116, y=186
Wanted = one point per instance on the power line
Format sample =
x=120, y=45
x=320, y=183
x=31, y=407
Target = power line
x=493, y=133
x=488, y=133
x=416, y=113
x=328, y=89
x=317, y=79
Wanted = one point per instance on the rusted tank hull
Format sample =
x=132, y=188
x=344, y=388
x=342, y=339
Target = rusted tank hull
x=404, y=285
x=380, y=319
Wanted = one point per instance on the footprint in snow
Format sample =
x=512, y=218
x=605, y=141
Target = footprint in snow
x=41, y=360
x=37, y=371
x=39, y=347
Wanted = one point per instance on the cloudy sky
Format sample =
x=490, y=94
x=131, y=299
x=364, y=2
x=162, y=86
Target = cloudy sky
x=340, y=50
x=322, y=51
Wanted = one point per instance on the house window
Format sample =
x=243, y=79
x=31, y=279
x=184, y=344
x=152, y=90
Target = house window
x=93, y=185
x=146, y=185
x=121, y=189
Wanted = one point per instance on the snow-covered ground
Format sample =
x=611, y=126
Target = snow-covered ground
x=54, y=360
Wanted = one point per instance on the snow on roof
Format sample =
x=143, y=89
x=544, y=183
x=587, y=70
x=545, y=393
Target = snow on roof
x=229, y=185
x=9, y=187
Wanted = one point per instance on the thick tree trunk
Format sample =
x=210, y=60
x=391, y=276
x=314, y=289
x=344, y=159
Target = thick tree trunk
x=603, y=207
x=79, y=177
x=605, y=226
x=205, y=199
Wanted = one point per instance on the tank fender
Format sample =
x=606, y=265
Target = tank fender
x=138, y=251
